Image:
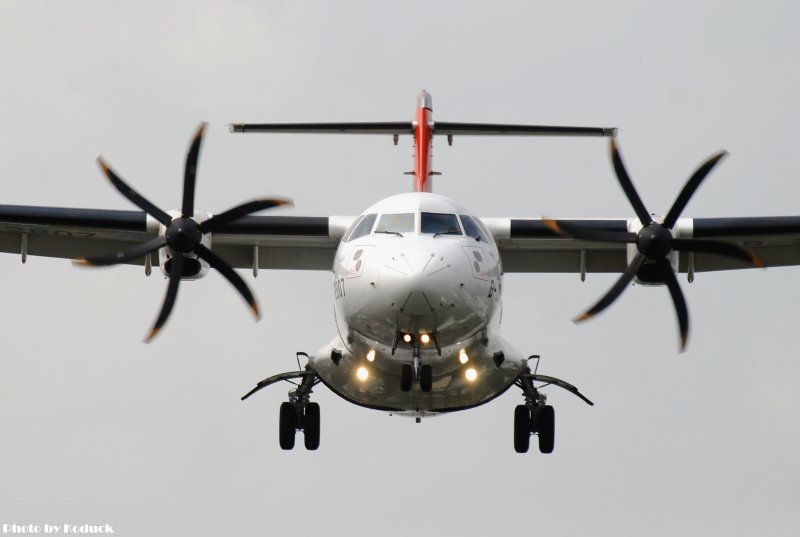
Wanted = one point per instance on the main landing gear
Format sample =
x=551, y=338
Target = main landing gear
x=536, y=416
x=298, y=413
x=537, y=420
x=293, y=419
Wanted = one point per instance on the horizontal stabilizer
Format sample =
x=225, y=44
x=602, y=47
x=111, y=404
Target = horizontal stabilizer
x=445, y=128
x=491, y=129
x=391, y=127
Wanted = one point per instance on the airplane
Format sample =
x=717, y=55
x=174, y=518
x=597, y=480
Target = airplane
x=417, y=279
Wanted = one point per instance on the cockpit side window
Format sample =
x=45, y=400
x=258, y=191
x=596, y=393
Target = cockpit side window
x=485, y=230
x=473, y=229
x=348, y=234
x=364, y=227
x=396, y=223
x=439, y=224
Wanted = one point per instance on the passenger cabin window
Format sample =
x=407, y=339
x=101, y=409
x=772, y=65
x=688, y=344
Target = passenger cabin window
x=439, y=224
x=364, y=227
x=473, y=229
x=396, y=223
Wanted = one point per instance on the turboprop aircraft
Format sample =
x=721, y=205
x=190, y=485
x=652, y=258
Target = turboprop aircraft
x=417, y=278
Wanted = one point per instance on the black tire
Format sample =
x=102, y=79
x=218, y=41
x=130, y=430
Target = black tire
x=406, y=375
x=522, y=429
x=311, y=426
x=425, y=378
x=547, y=429
x=287, y=426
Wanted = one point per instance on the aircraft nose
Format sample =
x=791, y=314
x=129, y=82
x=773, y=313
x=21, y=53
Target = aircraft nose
x=421, y=283
x=420, y=288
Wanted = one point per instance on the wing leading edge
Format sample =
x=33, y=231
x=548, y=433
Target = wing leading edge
x=275, y=242
x=528, y=245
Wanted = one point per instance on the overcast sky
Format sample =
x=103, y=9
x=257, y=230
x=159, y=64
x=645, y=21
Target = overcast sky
x=97, y=427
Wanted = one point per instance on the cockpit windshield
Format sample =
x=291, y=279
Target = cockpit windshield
x=439, y=224
x=396, y=223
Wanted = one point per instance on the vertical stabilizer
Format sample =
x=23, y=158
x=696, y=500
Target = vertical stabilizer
x=423, y=143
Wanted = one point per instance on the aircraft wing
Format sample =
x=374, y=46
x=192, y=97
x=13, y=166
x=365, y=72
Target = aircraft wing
x=528, y=245
x=276, y=242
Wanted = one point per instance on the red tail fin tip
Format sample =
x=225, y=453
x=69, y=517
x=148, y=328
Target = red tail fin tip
x=423, y=142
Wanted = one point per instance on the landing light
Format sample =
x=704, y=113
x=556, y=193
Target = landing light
x=371, y=355
x=471, y=374
x=407, y=338
x=362, y=373
x=425, y=338
x=463, y=358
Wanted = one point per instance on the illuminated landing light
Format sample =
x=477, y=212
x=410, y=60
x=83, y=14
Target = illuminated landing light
x=463, y=358
x=471, y=374
x=425, y=339
x=371, y=355
x=407, y=338
x=362, y=374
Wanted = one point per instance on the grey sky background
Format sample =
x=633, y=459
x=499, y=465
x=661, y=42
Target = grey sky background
x=98, y=427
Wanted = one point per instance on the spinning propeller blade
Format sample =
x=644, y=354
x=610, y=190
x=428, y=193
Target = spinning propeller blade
x=183, y=236
x=654, y=241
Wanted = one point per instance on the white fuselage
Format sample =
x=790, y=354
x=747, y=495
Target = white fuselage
x=417, y=280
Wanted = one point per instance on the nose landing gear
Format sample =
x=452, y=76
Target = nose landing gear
x=424, y=375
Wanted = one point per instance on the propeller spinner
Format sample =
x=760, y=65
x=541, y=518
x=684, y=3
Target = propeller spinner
x=654, y=242
x=183, y=235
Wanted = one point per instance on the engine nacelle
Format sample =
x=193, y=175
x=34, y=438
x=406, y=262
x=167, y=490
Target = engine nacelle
x=194, y=268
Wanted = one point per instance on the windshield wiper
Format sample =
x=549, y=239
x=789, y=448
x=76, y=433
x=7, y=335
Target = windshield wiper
x=386, y=231
x=446, y=233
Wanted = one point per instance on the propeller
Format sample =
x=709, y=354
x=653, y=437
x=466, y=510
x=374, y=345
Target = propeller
x=183, y=235
x=654, y=242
